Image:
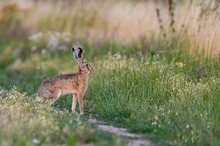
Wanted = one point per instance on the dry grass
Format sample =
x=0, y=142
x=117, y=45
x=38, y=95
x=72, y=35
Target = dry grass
x=124, y=22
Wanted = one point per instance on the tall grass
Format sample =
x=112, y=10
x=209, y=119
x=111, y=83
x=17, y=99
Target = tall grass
x=156, y=97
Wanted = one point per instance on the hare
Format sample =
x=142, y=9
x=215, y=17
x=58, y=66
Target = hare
x=76, y=84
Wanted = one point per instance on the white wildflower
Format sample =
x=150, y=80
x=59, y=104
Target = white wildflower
x=35, y=141
x=53, y=41
x=117, y=56
x=36, y=37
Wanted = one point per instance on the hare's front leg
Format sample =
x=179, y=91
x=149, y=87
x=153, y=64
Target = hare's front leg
x=80, y=99
x=74, y=99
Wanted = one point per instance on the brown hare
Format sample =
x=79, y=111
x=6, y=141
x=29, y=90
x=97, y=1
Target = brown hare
x=76, y=84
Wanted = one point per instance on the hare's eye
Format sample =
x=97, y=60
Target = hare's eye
x=87, y=65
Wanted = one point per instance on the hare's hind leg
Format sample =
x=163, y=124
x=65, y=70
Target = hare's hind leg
x=74, y=100
x=55, y=95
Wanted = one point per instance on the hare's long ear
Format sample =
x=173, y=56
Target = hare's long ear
x=80, y=54
x=75, y=53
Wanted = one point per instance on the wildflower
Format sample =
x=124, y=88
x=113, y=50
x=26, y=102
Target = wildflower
x=35, y=141
x=117, y=56
x=180, y=64
x=66, y=36
x=43, y=51
x=36, y=37
x=53, y=41
x=154, y=123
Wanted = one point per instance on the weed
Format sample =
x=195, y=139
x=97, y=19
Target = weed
x=29, y=121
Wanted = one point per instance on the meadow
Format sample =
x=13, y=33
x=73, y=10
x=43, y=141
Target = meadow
x=156, y=69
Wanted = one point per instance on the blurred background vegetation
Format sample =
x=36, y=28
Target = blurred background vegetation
x=34, y=27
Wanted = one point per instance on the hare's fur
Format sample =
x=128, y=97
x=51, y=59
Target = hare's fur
x=76, y=84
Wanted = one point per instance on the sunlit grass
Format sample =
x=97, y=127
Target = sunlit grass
x=158, y=98
x=30, y=121
x=169, y=98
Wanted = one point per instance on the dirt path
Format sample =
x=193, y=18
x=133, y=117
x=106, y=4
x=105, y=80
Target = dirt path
x=134, y=139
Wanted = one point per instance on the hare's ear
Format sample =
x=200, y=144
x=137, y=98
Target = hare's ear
x=75, y=53
x=80, y=54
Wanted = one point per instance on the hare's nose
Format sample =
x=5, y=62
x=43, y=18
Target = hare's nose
x=92, y=72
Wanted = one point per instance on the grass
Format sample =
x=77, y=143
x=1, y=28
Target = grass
x=162, y=100
x=172, y=101
x=166, y=88
x=29, y=121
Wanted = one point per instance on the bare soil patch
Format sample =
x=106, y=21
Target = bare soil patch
x=134, y=139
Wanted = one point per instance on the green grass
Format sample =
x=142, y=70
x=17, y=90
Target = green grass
x=163, y=100
x=168, y=98
x=29, y=121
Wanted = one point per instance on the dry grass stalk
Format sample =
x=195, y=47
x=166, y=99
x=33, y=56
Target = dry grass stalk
x=171, y=13
x=160, y=22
